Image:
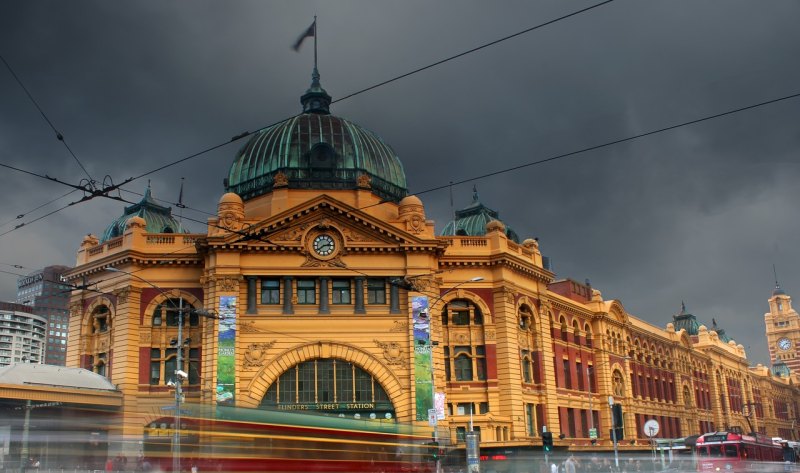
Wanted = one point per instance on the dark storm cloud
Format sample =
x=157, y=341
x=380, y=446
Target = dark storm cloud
x=697, y=214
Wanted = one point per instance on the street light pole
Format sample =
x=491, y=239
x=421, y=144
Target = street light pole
x=613, y=430
x=433, y=377
x=179, y=373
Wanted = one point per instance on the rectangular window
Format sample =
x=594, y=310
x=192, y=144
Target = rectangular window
x=447, y=363
x=592, y=380
x=484, y=408
x=171, y=364
x=341, y=291
x=579, y=372
x=463, y=363
x=571, y=422
x=529, y=420
x=464, y=408
x=270, y=291
x=306, y=291
x=194, y=366
x=480, y=362
x=155, y=366
x=376, y=291
x=567, y=375
x=461, y=434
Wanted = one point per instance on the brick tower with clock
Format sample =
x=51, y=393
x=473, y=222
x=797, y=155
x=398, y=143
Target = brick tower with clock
x=783, y=332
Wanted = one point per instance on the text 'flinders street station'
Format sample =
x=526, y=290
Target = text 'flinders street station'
x=321, y=286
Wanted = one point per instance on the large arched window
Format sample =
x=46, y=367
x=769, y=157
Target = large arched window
x=326, y=380
x=167, y=313
x=527, y=367
x=462, y=312
x=101, y=319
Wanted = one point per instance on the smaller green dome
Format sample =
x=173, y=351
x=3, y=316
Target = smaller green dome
x=472, y=220
x=686, y=321
x=780, y=370
x=159, y=219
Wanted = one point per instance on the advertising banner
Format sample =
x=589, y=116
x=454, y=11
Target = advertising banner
x=423, y=370
x=226, y=371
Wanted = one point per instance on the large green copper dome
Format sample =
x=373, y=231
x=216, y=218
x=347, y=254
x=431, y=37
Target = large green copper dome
x=316, y=150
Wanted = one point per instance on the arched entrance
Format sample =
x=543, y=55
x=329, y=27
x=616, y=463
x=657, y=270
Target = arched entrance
x=331, y=386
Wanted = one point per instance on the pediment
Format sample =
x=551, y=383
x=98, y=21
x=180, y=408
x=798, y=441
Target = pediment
x=355, y=229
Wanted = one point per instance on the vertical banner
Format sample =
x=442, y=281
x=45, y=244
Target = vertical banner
x=226, y=343
x=423, y=369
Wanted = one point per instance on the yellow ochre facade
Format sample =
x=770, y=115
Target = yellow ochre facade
x=317, y=260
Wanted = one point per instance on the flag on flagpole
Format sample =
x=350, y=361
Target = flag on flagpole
x=180, y=197
x=308, y=33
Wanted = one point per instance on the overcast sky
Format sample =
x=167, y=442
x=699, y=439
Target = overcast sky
x=697, y=214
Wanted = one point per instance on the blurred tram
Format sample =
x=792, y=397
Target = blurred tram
x=733, y=452
x=228, y=439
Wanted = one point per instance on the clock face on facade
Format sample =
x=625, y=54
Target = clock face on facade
x=784, y=344
x=324, y=245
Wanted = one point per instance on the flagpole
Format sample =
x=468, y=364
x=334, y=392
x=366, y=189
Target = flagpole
x=315, y=42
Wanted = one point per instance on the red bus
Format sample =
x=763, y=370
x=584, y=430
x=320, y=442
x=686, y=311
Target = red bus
x=732, y=452
x=229, y=439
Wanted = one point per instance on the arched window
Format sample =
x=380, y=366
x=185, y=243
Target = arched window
x=468, y=362
x=462, y=312
x=564, y=335
x=100, y=319
x=326, y=380
x=169, y=312
x=527, y=367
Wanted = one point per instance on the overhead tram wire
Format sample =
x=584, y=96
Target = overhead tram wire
x=24, y=214
x=401, y=76
x=59, y=136
x=595, y=147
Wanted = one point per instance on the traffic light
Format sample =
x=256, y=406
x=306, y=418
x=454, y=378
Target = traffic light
x=547, y=441
x=433, y=450
x=618, y=423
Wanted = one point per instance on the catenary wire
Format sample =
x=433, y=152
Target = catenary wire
x=437, y=63
x=59, y=136
x=25, y=214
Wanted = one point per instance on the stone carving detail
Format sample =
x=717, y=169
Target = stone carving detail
x=392, y=352
x=255, y=353
x=399, y=326
x=145, y=338
x=280, y=180
x=421, y=283
x=489, y=335
x=461, y=338
x=228, y=283
x=122, y=295
x=523, y=340
x=415, y=223
x=335, y=262
x=364, y=181
x=249, y=326
x=292, y=234
x=75, y=309
x=230, y=221
x=350, y=235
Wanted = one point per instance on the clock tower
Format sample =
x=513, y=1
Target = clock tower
x=783, y=331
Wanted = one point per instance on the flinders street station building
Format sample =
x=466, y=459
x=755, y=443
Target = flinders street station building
x=321, y=285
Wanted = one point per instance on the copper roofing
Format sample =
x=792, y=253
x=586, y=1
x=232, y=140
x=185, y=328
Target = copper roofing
x=686, y=321
x=780, y=369
x=159, y=218
x=472, y=220
x=316, y=150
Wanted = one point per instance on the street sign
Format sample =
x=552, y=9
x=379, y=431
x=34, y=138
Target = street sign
x=593, y=434
x=432, y=417
x=651, y=428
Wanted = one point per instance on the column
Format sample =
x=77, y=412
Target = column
x=323, y=295
x=394, y=299
x=251, y=294
x=287, y=295
x=360, y=296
